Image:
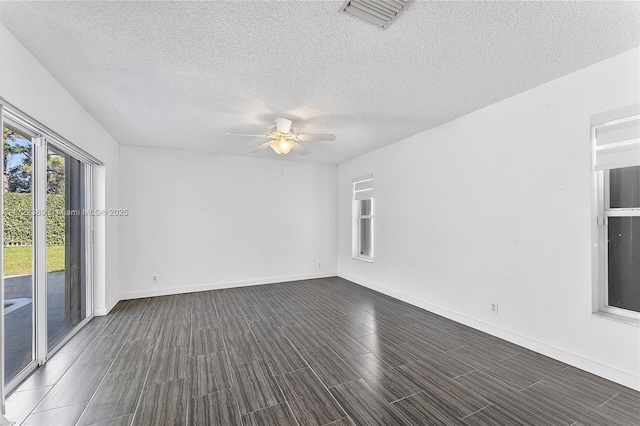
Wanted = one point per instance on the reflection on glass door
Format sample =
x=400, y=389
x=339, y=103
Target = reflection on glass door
x=18, y=252
x=66, y=266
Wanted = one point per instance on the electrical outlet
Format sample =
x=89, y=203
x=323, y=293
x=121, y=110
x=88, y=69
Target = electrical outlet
x=494, y=308
x=319, y=265
x=155, y=278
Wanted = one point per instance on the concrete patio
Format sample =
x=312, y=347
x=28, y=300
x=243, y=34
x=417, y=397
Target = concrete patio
x=19, y=322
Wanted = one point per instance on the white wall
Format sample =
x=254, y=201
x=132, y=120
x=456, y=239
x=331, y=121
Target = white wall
x=495, y=207
x=27, y=85
x=202, y=221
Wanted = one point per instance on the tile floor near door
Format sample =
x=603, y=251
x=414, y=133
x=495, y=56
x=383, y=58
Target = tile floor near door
x=317, y=352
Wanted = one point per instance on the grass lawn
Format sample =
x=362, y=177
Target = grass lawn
x=19, y=260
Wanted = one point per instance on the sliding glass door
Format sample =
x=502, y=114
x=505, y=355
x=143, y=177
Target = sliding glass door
x=66, y=247
x=46, y=246
x=18, y=272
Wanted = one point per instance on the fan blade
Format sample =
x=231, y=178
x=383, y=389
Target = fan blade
x=299, y=149
x=246, y=134
x=261, y=147
x=283, y=125
x=316, y=137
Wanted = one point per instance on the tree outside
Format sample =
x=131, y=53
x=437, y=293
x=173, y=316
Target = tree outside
x=17, y=172
x=17, y=161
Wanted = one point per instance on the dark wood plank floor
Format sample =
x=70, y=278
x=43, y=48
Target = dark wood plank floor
x=317, y=352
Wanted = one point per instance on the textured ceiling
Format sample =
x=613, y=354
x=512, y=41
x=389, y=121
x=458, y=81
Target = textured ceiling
x=181, y=74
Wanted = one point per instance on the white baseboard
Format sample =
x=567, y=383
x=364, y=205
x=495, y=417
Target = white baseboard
x=220, y=286
x=98, y=312
x=594, y=367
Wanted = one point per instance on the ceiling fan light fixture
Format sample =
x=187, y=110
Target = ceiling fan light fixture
x=282, y=140
x=282, y=146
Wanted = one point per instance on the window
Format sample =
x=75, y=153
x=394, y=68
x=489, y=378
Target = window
x=363, y=218
x=617, y=176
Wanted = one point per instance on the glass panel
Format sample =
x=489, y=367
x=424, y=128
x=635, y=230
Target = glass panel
x=66, y=275
x=18, y=253
x=624, y=262
x=365, y=207
x=365, y=237
x=624, y=187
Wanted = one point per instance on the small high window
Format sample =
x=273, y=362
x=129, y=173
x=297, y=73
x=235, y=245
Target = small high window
x=363, y=218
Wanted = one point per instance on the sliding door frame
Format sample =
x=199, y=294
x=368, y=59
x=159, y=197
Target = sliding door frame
x=3, y=410
x=39, y=179
x=42, y=136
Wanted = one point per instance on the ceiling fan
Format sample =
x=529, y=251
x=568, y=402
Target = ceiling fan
x=283, y=140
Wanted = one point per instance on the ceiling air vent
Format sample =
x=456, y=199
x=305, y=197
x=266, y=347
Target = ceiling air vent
x=380, y=13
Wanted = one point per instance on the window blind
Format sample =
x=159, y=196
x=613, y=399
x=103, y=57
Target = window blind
x=618, y=143
x=363, y=187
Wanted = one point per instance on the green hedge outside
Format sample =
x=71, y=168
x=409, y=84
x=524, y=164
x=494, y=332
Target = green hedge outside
x=18, y=219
